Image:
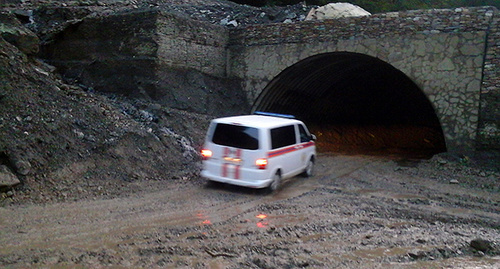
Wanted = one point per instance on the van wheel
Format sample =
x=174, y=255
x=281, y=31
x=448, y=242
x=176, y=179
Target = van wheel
x=309, y=171
x=275, y=184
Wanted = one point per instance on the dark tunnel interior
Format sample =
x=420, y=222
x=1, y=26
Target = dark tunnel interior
x=358, y=104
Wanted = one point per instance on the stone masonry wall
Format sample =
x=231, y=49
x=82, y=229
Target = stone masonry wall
x=489, y=124
x=190, y=71
x=442, y=51
x=375, y=26
x=184, y=43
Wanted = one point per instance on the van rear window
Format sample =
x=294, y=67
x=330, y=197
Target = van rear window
x=236, y=136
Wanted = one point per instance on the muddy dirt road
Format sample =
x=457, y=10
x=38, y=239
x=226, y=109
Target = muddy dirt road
x=357, y=211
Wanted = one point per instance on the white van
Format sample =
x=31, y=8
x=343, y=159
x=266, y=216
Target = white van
x=257, y=151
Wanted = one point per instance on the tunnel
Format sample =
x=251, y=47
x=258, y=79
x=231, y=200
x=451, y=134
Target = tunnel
x=358, y=104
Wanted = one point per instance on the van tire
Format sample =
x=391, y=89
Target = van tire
x=275, y=184
x=309, y=171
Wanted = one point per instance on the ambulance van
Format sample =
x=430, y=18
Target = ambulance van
x=257, y=151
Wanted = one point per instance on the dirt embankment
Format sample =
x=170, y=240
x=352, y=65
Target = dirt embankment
x=64, y=142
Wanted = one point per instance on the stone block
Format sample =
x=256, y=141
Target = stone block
x=7, y=178
x=15, y=33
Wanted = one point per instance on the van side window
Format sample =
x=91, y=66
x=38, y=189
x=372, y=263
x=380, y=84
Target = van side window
x=304, y=135
x=283, y=136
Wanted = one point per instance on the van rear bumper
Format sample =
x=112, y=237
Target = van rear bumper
x=250, y=183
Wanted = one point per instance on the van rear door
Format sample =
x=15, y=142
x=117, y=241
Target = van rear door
x=235, y=149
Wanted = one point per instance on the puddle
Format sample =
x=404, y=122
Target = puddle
x=315, y=237
x=380, y=252
x=395, y=225
x=367, y=191
x=408, y=196
x=370, y=256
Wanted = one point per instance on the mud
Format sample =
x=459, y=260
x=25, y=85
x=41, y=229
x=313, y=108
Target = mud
x=357, y=211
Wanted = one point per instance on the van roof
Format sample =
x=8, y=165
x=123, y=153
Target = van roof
x=257, y=121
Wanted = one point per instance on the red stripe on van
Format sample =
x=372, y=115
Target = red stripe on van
x=224, y=169
x=231, y=167
x=237, y=172
x=237, y=168
x=224, y=165
x=279, y=152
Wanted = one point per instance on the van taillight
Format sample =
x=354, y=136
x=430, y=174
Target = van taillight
x=206, y=153
x=261, y=163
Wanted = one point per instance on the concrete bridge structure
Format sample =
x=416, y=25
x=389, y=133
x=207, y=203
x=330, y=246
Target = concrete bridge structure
x=434, y=68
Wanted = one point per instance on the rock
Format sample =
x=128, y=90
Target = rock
x=147, y=116
x=418, y=255
x=232, y=23
x=226, y=21
x=15, y=33
x=7, y=178
x=454, y=181
x=79, y=133
x=481, y=245
x=335, y=11
x=22, y=167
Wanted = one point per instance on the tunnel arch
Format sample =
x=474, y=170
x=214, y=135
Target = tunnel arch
x=356, y=103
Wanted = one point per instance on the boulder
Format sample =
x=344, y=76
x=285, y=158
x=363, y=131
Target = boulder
x=335, y=11
x=7, y=178
x=22, y=167
x=481, y=244
x=15, y=33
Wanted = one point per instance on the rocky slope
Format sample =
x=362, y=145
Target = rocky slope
x=63, y=142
